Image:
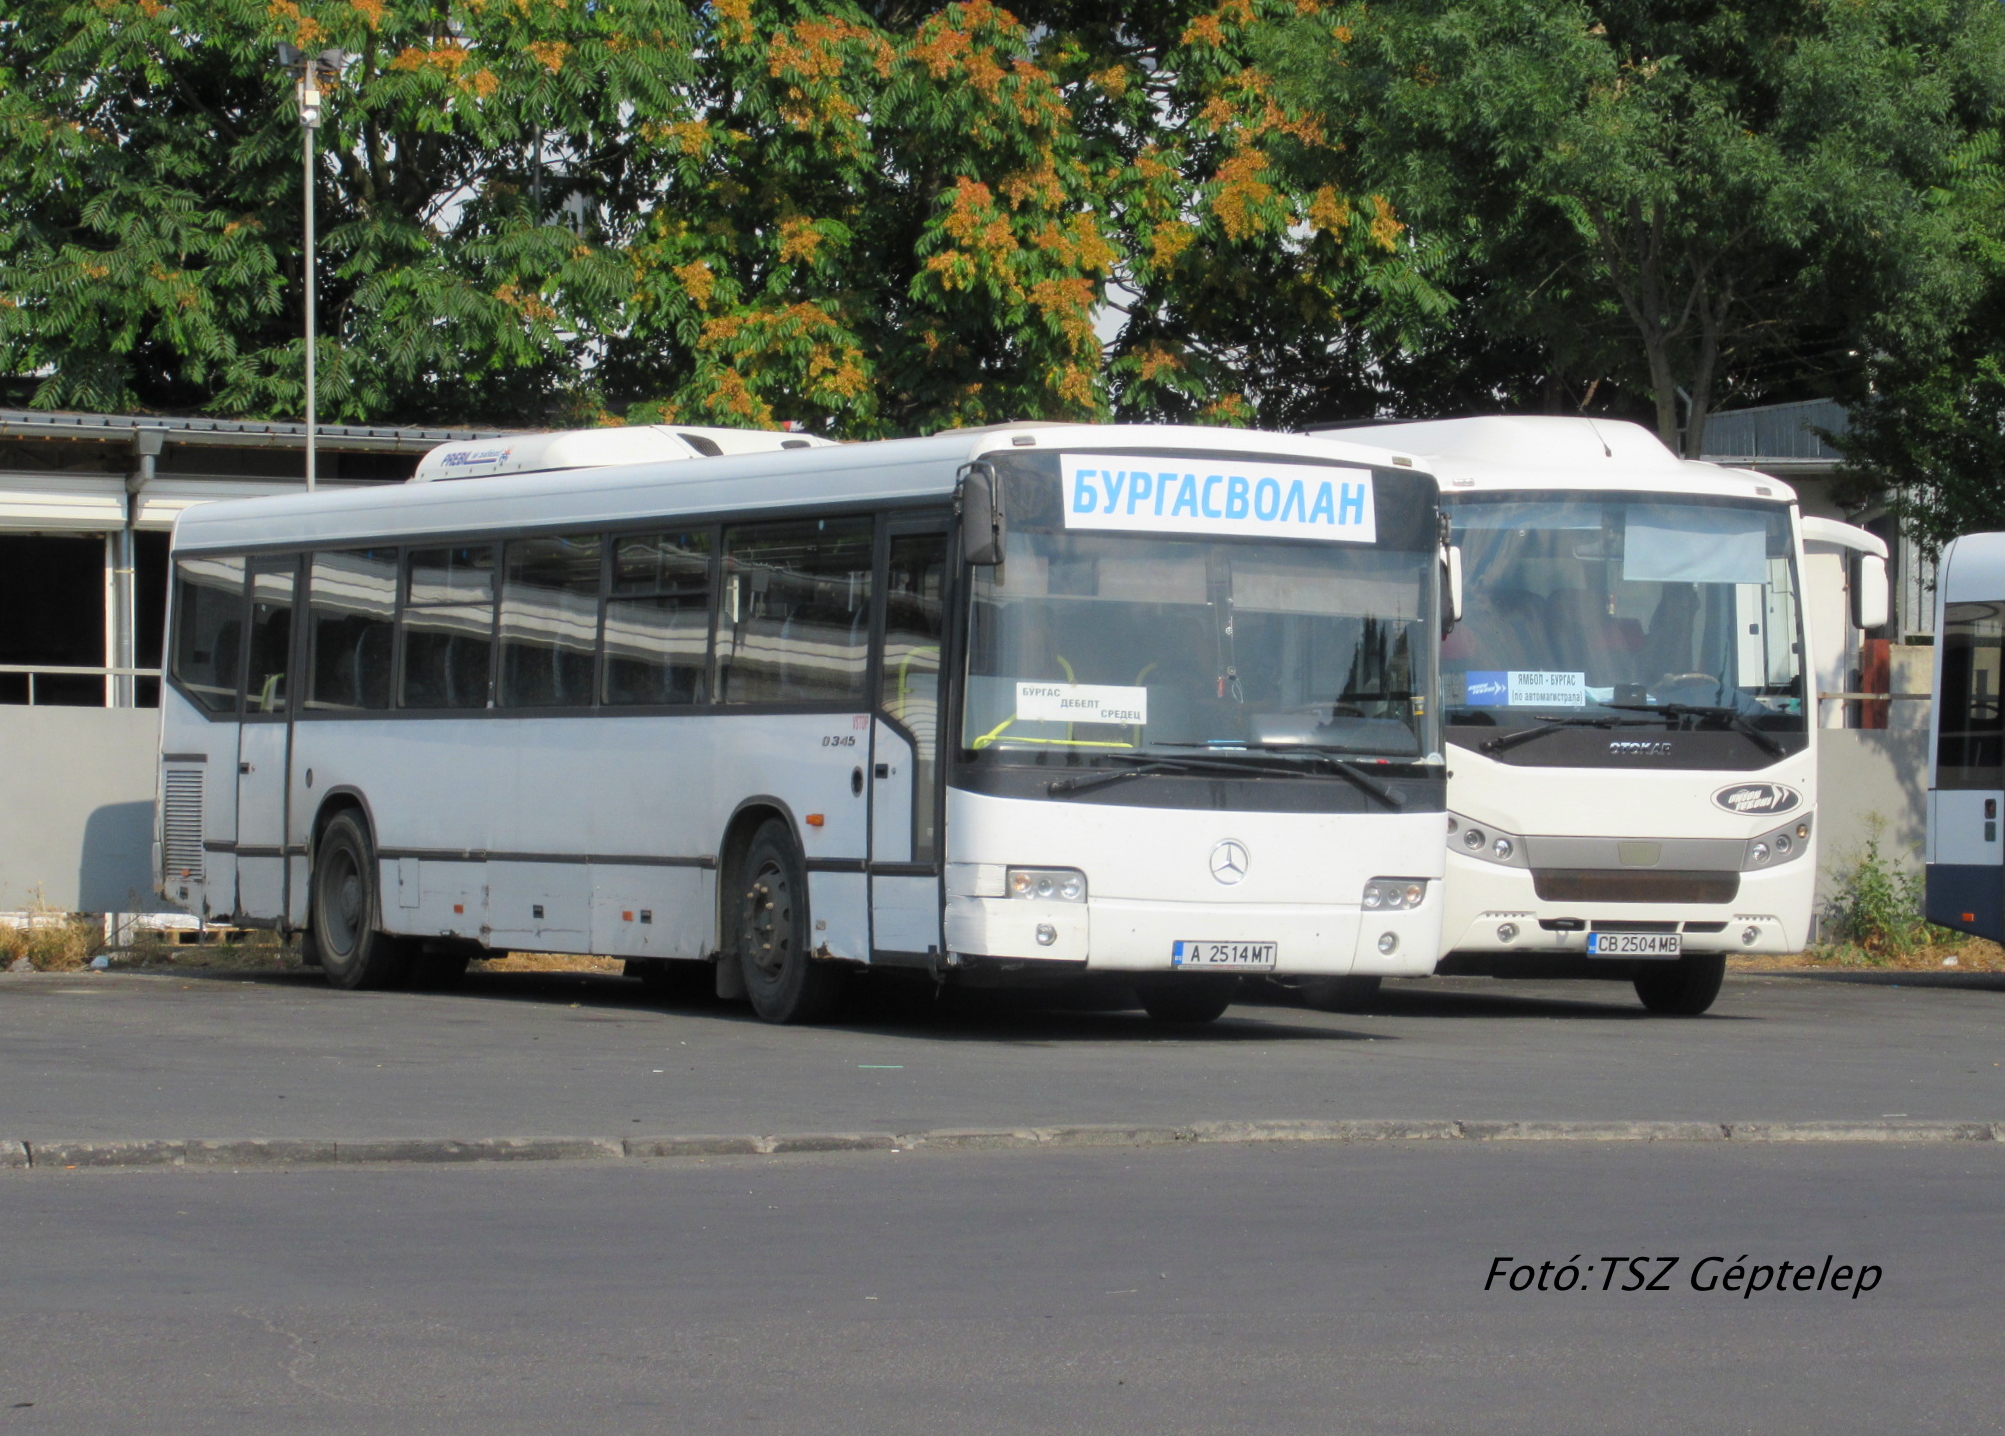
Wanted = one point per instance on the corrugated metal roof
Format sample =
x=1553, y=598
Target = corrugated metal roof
x=1776, y=431
x=233, y=433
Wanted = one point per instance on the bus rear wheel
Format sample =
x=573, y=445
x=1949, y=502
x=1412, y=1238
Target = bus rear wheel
x=1686, y=987
x=773, y=934
x=1190, y=1000
x=353, y=953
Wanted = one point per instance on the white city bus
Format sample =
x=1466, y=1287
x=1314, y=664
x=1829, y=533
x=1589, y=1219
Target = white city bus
x=1628, y=705
x=997, y=705
x=1965, y=872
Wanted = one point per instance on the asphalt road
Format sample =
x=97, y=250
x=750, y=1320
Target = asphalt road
x=124, y=1056
x=1171, y=1290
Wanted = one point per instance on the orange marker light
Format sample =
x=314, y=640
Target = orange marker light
x=459, y=907
x=626, y=917
x=815, y=820
x=1970, y=917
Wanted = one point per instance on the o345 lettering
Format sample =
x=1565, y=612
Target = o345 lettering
x=838, y=740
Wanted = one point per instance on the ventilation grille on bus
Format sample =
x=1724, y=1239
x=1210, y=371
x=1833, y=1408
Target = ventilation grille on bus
x=181, y=824
x=1631, y=885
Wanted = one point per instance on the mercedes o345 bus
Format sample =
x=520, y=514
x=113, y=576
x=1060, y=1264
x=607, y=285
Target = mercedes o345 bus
x=1629, y=704
x=1035, y=702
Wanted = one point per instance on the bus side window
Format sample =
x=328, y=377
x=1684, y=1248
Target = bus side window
x=209, y=629
x=448, y=627
x=351, y=611
x=1970, y=727
x=270, y=633
x=549, y=621
x=795, y=625
x=658, y=619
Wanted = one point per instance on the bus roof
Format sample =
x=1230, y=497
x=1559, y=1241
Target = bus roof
x=1504, y=451
x=891, y=470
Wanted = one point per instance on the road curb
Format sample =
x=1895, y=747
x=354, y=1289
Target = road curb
x=400, y=1151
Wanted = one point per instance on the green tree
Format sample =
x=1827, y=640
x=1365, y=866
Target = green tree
x=1692, y=201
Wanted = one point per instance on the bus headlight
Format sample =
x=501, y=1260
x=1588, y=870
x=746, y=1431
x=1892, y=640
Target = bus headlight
x=1394, y=894
x=1773, y=849
x=1046, y=884
x=1483, y=841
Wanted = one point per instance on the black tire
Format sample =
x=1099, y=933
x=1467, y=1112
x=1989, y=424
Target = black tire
x=1685, y=988
x=354, y=953
x=772, y=933
x=1339, y=994
x=1190, y=1000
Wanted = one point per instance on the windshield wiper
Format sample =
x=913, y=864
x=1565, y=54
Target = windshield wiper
x=1731, y=717
x=1555, y=722
x=1086, y=782
x=1267, y=765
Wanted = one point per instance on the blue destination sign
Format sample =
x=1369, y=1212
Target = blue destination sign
x=1183, y=496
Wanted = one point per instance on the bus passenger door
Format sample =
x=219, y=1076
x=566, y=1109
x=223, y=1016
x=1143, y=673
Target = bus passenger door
x=264, y=742
x=904, y=749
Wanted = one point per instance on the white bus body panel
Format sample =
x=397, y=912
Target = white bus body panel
x=1305, y=874
x=475, y=830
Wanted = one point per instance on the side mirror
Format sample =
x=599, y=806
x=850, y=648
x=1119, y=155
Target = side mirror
x=1451, y=587
x=983, y=528
x=1869, y=592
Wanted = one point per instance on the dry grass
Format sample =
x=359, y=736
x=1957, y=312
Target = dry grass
x=52, y=941
x=1971, y=954
x=550, y=962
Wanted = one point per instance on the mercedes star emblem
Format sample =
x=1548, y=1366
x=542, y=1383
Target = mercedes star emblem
x=1228, y=861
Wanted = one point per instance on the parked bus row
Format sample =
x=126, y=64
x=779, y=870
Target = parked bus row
x=1175, y=706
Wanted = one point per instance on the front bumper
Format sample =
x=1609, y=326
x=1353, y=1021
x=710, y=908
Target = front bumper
x=1132, y=935
x=1493, y=910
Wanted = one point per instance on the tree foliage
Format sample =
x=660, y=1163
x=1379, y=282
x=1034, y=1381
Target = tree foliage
x=1690, y=200
x=889, y=216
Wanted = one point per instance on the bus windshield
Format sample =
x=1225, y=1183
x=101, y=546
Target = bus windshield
x=1624, y=603
x=1091, y=644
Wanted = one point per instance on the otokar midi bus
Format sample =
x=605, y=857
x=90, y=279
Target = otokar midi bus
x=1030, y=702
x=1965, y=872
x=1629, y=703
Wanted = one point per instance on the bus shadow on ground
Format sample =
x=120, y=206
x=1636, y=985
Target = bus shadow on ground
x=1262, y=1013
x=1507, y=999
x=1005, y=1016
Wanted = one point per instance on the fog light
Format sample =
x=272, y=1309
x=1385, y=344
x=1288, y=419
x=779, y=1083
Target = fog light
x=1388, y=943
x=1473, y=840
x=1782, y=843
x=1046, y=934
x=1507, y=932
x=1503, y=849
x=1758, y=853
x=1452, y=824
x=1749, y=936
x=1372, y=896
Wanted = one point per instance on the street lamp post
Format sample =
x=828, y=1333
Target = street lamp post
x=311, y=69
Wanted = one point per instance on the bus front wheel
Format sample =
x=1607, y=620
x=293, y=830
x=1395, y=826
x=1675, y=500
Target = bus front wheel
x=774, y=936
x=1686, y=987
x=353, y=954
